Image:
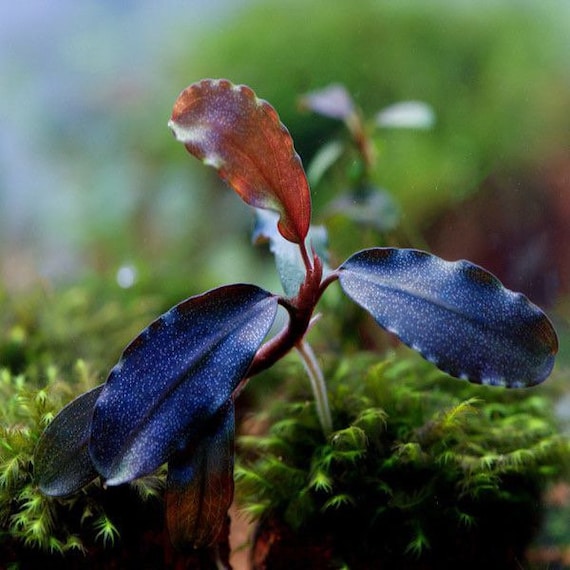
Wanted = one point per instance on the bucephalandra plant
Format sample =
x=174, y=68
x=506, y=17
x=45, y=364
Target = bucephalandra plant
x=170, y=398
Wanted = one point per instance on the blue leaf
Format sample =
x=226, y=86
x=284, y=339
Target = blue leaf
x=61, y=461
x=174, y=377
x=455, y=314
x=288, y=258
x=200, y=485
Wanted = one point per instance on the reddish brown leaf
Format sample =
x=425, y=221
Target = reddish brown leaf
x=241, y=136
x=200, y=486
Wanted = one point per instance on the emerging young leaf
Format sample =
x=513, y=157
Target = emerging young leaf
x=288, y=259
x=200, y=485
x=455, y=314
x=61, y=461
x=174, y=377
x=241, y=136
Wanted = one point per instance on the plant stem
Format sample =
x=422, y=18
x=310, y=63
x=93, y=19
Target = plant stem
x=306, y=258
x=317, y=384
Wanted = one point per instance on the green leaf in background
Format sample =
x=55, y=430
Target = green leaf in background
x=287, y=257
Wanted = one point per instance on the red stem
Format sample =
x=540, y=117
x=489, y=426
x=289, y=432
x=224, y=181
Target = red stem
x=306, y=259
x=300, y=311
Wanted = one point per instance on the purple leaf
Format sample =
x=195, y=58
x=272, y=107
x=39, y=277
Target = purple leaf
x=241, y=136
x=200, y=485
x=61, y=461
x=456, y=314
x=174, y=377
x=333, y=101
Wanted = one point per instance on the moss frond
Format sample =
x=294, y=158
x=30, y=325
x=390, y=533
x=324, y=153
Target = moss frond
x=411, y=449
x=106, y=531
x=338, y=501
x=321, y=481
x=151, y=486
x=465, y=519
x=52, y=525
x=419, y=542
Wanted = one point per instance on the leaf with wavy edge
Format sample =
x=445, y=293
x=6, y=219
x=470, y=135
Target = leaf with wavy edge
x=241, y=136
x=200, y=485
x=455, y=314
x=174, y=377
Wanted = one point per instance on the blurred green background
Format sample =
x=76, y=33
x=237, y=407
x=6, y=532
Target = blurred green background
x=92, y=184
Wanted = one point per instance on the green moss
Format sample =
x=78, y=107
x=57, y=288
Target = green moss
x=87, y=321
x=30, y=522
x=412, y=452
x=418, y=464
x=26, y=515
x=38, y=329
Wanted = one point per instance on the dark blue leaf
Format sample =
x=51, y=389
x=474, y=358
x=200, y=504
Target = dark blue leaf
x=61, y=460
x=174, y=377
x=200, y=485
x=455, y=314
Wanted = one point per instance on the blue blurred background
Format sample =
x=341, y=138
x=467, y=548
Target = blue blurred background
x=84, y=99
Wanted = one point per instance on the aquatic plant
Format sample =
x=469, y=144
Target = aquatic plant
x=170, y=398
